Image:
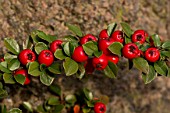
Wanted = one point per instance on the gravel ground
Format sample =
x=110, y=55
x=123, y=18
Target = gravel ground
x=127, y=93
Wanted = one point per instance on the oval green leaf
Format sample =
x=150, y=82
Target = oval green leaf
x=55, y=68
x=116, y=48
x=70, y=66
x=3, y=67
x=127, y=30
x=20, y=79
x=161, y=67
x=88, y=94
x=46, y=79
x=111, y=70
x=40, y=46
x=141, y=64
x=111, y=28
x=14, y=64
x=156, y=40
x=59, y=54
x=34, y=69
x=150, y=76
x=75, y=29
x=70, y=99
x=8, y=57
x=12, y=45
x=8, y=78
x=166, y=45
x=90, y=47
x=15, y=110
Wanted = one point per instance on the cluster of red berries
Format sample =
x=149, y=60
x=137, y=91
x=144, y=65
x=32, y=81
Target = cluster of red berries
x=129, y=50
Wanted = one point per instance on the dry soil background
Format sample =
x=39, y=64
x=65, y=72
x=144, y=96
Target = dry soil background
x=127, y=93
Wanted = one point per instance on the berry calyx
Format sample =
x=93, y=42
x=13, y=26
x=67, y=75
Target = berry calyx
x=103, y=34
x=24, y=73
x=99, y=107
x=55, y=45
x=100, y=62
x=26, y=56
x=86, y=38
x=130, y=51
x=152, y=54
x=117, y=36
x=46, y=57
x=139, y=36
x=79, y=55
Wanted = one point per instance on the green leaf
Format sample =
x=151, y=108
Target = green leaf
x=111, y=70
x=165, y=53
x=90, y=47
x=8, y=78
x=76, y=30
x=34, y=36
x=20, y=78
x=161, y=67
x=166, y=45
x=14, y=64
x=43, y=36
x=71, y=99
x=33, y=69
x=70, y=66
x=127, y=40
x=55, y=89
x=15, y=110
x=111, y=28
x=3, y=109
x=27, y=106
x=58, y=108
x=3, y=94
x=81, y=71
x=68, y=48
x=27, y=44
x=126, y=28
x=70, y=38
x=86, y=109
x=12, y=45
x=46, y=79
x=144, y=47
x=41, y=109
x=59, y=54
x=150, y=76
x=98, y=53
x=141, y=64
x=8, y=57
x=52, y=37
x=116, y=48
x=156, y=40
x=40, y=46
x=55, y=68
x=3, y=67
x=88, y=94
x=53, y=101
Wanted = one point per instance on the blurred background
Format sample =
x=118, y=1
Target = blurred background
x=127, y=93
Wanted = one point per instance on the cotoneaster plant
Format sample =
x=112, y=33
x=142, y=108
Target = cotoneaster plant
x=46, y=56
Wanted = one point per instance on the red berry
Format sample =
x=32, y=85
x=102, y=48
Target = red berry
x=100, y=62
x=79, y=55
x=130, y=51
x=99, y=107
x=46, y=57
x=86, y=38
x=26, y=56
x=24, y=73
x=117, y=36
x=103, y=34
x=2, y=59
x=139, y=36
x=89, y=66
x=55, y=45
x=104, y=44
x=152, y=54
x=113, y=58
